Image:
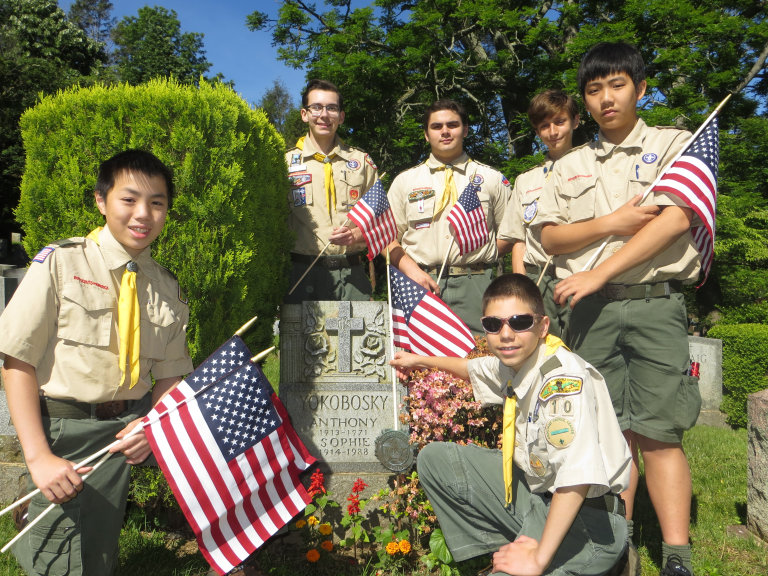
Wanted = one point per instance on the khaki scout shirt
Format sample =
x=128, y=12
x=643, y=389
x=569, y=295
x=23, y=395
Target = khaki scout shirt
x=522, y=211
x=414, y=195
x=567, y=438
x=353, y=174
x=598, y=178
x=63, y=321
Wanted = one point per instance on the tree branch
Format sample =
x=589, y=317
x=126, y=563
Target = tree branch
x=754, y=71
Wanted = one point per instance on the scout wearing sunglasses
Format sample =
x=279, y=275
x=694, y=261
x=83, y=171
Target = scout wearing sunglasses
x=563, y=455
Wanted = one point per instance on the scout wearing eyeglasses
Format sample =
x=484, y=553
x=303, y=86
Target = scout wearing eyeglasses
x=327, y=178
x=421, y=199
x=95, y=320
x=553, y=114
x=548, y=502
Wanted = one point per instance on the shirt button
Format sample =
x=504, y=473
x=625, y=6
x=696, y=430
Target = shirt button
x=447, y=236
x=615, y=195
x=517, y=444
x=616, y=170
x=616, y=249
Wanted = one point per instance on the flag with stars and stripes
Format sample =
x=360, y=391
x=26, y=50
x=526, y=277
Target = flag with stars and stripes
x=374, y=217
x=693, y=178
x=468, y=221
x=423, y=323
x=232, y=458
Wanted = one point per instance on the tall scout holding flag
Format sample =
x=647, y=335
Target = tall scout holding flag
x=93, y=319
x=327, y=179
x=423, y=197
x=623, y=258
x=547, y=504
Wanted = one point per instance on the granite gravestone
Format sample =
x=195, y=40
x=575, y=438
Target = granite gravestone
x=708, y=352
x=336, y=384
x=757, y=479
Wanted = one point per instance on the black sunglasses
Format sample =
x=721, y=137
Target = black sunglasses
x=518, y=322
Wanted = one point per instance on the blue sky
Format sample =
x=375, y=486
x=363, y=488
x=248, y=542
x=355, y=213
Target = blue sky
x=246, y=57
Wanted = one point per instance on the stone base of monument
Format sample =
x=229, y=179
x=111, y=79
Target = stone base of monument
x=11, y=463
x=757, y=450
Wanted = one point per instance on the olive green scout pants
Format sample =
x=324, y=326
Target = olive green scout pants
x=464, y=295
x=558, y=315
x=465, y=486
x=322, y=283
x=80, y=537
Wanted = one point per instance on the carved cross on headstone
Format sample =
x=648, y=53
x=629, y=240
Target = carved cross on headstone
x=344, y=324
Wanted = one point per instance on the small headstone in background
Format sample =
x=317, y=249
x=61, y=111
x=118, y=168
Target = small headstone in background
x=757, y=465
x=3, y=249
x=708, y=352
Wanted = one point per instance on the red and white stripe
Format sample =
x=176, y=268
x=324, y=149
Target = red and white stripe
x=233, y=507
x=378, y=232
x=433, y=330
x=471, y=228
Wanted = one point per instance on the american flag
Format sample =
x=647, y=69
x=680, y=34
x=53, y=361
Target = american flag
x=693, y=178
x=374, y=217
x=468, y=221
x=224, y=442
x=423, y=323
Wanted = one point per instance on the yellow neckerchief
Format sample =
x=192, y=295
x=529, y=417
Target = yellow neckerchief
x=508, y=426
x=330, y=186
x=128, y=317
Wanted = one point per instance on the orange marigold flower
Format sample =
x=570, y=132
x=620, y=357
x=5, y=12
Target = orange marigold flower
x=327, y=545
x=313, y=555
x=313, y=521
x=404, y=546
x=325, y=529
x=301, y=523
x=392, y=548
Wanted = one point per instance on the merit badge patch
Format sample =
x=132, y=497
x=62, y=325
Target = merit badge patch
x=649, y=158
x=560, y=386
x=295, y=158
x=354, y=194
x=478, y=179
x=43, y=254
x=560, y=432
x=536, y=465
x=300, y=196
x=420, y=194
x=300, y=179
x=504, y=181
x=353, y=164
x=530, y=212
x=370, y=162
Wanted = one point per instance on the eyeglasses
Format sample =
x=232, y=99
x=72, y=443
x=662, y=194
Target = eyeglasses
x=317, y=109
x=518, y=323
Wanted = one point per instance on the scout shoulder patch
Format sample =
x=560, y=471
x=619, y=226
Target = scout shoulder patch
x=420, y=194
x=551, y=364
x=560, y=432
x=530, y=212
x=370, y=162
x=300, y=179
x=560, y=386
x=183, y=296
x=504, y=181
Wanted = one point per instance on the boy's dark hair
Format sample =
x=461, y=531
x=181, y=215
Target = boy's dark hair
x=445, y=104
x=318, y=84
x=549, y=103
x=515, y=286
x=137, y=161
x=608, y=58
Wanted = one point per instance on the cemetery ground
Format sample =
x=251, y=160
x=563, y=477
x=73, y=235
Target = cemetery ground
x=718, y=458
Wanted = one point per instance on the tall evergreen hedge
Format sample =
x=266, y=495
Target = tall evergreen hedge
x=225, y=238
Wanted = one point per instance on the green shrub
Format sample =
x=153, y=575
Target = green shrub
x=225, y=238
x=745, y=365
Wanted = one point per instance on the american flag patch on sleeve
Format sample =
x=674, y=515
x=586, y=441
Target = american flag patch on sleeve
x=43, y=254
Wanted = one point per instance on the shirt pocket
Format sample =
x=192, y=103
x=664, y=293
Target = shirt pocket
x=156, y=320
x=421, y=210
x=85, y=315
x=642, y=176
x=530, y=205
x=580, y=196
x=352, y=185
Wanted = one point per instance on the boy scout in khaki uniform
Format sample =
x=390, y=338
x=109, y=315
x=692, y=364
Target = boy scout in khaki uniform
x=94, y=319
x=553, y=114
x=628, y=314
x=327, y=178
x=563, y=455
x=421, y=199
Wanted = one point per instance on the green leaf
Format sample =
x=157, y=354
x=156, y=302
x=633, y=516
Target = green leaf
x=309, y=509
x=439, y=547
x=429, y=561
x=445, y=570
x=346, y=521
x=333, y=504
x=402, y=535
x=322, y=502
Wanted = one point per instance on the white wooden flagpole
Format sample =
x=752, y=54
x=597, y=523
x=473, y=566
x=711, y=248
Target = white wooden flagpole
x=716, y=111
x=392, y=345
x=314, y=262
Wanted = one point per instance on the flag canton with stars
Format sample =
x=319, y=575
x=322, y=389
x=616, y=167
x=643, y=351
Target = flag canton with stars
x=706, y=148
x=469, y=199
x=376, y=198
x=238, y=410
x=229, y=356
x=406, y=294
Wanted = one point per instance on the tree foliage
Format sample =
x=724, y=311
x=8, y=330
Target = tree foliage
x=394, y=57
x=279, y=106
x=152, y=45
x=94, y=17
x=40, y=51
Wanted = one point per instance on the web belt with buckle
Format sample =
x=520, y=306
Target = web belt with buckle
x=53, y=408
x=639, y=291
x=332, y=262
x=458, y=270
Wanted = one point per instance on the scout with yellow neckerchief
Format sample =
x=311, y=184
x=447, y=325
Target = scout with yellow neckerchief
x=563, y=462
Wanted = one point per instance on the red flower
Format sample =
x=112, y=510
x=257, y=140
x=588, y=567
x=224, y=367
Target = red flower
x=316, y=487
x=354, y=506
x=359, y=486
